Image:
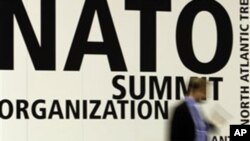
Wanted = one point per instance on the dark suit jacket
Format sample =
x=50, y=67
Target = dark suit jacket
x=182, y=126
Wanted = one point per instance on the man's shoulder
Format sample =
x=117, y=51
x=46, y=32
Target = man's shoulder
x=182, y=106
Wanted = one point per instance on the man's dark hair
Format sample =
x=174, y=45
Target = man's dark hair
x=195, y=84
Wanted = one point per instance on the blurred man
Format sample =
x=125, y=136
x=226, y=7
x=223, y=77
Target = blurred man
x=188, y=123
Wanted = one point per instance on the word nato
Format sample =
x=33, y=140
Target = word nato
x=43, y=55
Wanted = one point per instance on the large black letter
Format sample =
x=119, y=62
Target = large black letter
x=224, y=36
x=43, y=57
x=148, y=9
x=110, y=46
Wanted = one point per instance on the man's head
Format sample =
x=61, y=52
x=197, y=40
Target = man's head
x=197, y=88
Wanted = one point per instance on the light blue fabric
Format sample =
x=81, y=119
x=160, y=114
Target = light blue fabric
x=200, y=125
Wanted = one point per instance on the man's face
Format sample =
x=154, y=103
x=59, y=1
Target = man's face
x=199, y=95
